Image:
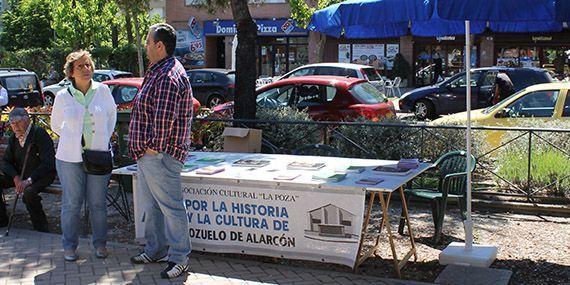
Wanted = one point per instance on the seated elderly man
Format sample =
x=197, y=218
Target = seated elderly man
x=28, y=165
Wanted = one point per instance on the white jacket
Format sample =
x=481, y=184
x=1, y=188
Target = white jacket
x=67, y=122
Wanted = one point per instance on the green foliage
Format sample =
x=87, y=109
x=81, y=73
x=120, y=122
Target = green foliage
x=26, y=25
x=549, y=164
x=35, y=59
x=287, y=136
x=301, y=10
x=401, y=66
x=79, y=24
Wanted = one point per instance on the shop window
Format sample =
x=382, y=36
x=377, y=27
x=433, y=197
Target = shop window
x=535, y=104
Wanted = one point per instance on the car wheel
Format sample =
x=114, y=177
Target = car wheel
x=214, y=101
x=424, y=109
x=49, y=99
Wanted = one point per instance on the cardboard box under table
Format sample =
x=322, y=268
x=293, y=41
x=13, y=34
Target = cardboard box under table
x=248, y=210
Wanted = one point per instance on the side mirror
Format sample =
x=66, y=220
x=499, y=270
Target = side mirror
x=503, y=113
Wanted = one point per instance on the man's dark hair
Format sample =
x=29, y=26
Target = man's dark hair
x=166, y=34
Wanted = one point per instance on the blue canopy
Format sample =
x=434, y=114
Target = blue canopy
x=392, y=18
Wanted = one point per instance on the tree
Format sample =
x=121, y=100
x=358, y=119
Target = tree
x=26, y=25
x=82, y=24
x=132, y=10
x=301, y=12
x=244, y=107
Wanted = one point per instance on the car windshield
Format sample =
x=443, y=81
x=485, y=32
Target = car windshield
x=494, y=107
x=19, y=83
x=372, y=74
x=367, y=93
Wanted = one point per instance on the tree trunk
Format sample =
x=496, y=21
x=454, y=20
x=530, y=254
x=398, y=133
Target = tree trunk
x=129, y=26
x=244, y=107
x=114, y=36
x=139, y=51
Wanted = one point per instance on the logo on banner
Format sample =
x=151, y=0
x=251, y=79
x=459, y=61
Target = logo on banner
x=195, y=28
x=288, y=26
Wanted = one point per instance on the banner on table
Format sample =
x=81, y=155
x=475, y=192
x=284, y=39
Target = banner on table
x=309, y=224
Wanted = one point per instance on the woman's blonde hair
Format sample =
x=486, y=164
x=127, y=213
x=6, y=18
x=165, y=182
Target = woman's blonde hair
x=72, y=58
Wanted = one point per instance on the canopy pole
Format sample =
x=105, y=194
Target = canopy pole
x=468, y=224
x=467, y=253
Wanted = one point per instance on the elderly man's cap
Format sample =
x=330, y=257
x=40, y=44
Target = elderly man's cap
x=18, y=114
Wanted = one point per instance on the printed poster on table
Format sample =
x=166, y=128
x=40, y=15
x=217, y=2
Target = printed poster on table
x=309, y=224
x=391, y=51
x=368, y=54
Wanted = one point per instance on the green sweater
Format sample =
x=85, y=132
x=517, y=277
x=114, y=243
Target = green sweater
x=85, y=100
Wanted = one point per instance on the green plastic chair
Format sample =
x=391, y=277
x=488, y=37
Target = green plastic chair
x=450, y=169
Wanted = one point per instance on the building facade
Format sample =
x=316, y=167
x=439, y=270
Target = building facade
x=206, y=40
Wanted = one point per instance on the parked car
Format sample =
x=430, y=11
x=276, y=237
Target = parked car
x=23, y=87
x=212, y=86
x=543, y=102
x=124, y=91
x=338, y=69
x=326, y=98
x=449, y=96
x=99, y=75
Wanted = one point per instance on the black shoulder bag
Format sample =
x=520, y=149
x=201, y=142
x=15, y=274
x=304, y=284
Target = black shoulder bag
x=95, y=162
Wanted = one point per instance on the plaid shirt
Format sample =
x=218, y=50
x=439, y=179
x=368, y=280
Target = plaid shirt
x=162, y=112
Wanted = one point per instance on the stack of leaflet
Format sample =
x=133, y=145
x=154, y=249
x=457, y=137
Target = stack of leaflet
x=329, y=176
x=408, y=163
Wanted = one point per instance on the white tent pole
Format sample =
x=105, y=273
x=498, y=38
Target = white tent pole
x=468, y=224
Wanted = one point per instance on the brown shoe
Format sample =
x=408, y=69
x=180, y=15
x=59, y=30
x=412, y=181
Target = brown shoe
x=101, y=252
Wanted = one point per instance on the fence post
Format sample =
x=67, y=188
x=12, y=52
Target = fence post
x=529, y=176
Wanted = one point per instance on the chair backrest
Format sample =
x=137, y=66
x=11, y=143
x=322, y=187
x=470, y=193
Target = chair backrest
x=397, y=82
x=451, y=163
x=317, y=149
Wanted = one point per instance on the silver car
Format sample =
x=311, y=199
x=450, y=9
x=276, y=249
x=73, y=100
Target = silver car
x=99, y=75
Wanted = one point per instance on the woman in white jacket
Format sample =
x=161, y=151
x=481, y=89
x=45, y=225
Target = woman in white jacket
x=85, y=110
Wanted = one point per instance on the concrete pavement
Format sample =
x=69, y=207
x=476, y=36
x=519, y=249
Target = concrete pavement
x=28, y=257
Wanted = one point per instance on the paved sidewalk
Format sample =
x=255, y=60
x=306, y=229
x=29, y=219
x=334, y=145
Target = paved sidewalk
x=28, y=257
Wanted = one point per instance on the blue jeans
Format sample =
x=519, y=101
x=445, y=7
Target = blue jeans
x=78, y=186
x=166, y=223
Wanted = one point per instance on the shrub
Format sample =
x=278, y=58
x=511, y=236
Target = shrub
x=548, y=163
x=287, y=137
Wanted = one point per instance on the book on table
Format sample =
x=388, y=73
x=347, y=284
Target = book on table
x=352, y=169
x=298, y=165
x=209, y=170
x=189, y=167
x=329, y=176
x=210, y=160
x=286, y=176
x=251, y=162
x=409, y=163
x=370, y=180
x=392, y=170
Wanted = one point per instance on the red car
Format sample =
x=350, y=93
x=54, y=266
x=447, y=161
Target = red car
x=124, y=91
x=326, y=98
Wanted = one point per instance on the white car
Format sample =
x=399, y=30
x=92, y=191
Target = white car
x=99, y=75
x=339, y=69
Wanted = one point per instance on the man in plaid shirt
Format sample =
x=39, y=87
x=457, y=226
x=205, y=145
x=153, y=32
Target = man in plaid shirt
x=159, y=136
